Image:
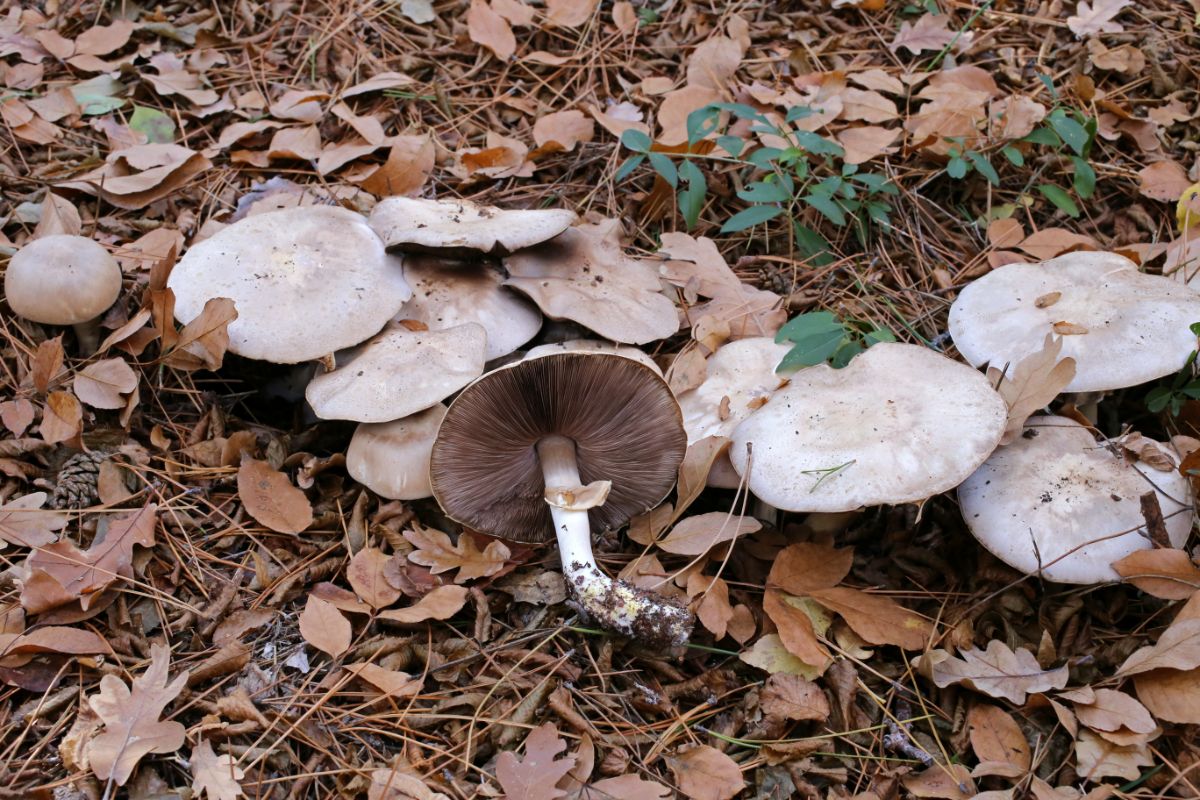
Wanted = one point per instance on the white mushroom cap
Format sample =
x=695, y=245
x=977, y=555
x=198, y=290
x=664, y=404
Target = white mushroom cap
x=584, y=276
x=1054, y=490
x=742, y=371
x=448, y=293
x=1122, y=327
x=392, y=458
x=62, y=280
x=447, y=226
x=899, y=424
x=306, y=282
x=398, y=373
x=593, y=346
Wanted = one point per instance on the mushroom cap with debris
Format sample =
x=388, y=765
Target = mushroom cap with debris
x=399, y=372
x=899, y=424
x=61, y=280
x=447, y=293
x=740, y=380
x=1058, y=503
x=584, y=276
x=625, y=424
x=306, y=281
x=1121, y=326
x=450, y=227
x=392, y=458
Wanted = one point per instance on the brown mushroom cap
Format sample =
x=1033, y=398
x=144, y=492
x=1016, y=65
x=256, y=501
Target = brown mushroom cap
x=415, y=225
x=626, y=426
x=62, y=280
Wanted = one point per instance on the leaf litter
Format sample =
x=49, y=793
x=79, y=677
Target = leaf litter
x=329, y=642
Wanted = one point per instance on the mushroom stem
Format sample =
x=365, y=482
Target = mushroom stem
x=87, y=336
x=616, y=605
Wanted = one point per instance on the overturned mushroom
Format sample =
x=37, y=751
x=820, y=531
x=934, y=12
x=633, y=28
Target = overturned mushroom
x=460, y=227
x=63, y=280
x=1121, y=326
x=306, y=281
x=593, y=346
x=584, y=276
x=1059, y=504
x=899, y=424
x=399, y=372
x=448, y=293
x=555, y=446
x=392, y=458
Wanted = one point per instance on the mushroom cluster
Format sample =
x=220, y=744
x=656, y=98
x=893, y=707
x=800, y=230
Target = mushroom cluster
x=412, y=305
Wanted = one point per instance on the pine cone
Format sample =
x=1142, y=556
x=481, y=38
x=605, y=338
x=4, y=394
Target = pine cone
x=76, y=486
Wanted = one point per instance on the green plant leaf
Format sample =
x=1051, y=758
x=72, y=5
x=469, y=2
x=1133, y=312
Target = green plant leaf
x=702, y=122
x=1043, y=136
x=764, y=157
x=749, y=217
x=825, y=204
x=627, y=168
x=819, y=145
x=1059, y=198
x=814, y=248
x=1013, y=155
x=812, y=350
x=1156, y=399
x=1074, y=134
x=665, y=167
x=691, y=199
x=731, y=144
x=808, y=324
x=636, y=140
x=765, y=192
x=1085, y=178
x=984, y=167
x=957, y=168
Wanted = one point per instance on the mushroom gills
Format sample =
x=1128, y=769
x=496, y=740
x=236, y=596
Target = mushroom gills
x=616, y=605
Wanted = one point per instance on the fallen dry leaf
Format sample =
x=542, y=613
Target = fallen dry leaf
x=563, y=130
x=1092, y=19
x=1032, y=383
x=366, y=575
x=1110, y=710
x=807, y=567
x=102, y=383
x=435, y=550
x=25, y=523
x=1163, y=180
x=17, y=415
x=701, y=532
x=997, y=671
x=705, y=773
x=534, y=776
x=324, y=627
x=1098, y=758
x=491, y=30
x=794, y=620
x=877, y=619
x=62, y=418
x=1170, y=695
x=770, y=655
x=1177, y=648
x=929, y=32
x=866, y=142
x=625, y=787
x=61, y=573
x=793, y=697
x=569, y=13
x=132, y=728
x=391, y=682
x=998, y=742
x=52, y=639
x=216, y=776
x=442, y=603
x=203, y=341
x=271, y=498
x=392, y=784
x=945, y=781
x=1163, y=572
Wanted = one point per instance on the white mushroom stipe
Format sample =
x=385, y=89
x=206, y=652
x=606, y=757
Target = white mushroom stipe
x=616, y=605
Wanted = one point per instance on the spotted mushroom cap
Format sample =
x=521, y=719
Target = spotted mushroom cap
x=1059, y=503
x=625, y=424
x=451, y=227
x=1122, y=327
x=306, y=281
x=899, y=424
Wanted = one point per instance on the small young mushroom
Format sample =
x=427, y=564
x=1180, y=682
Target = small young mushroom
x=448, y=293
x=1121, y=326
x=63, y=280
x=557, y=446
x=399, y=372
x=1059, y=504
x=460, y=227
x=392, y=458
x=306, y=281
x=899, y=424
